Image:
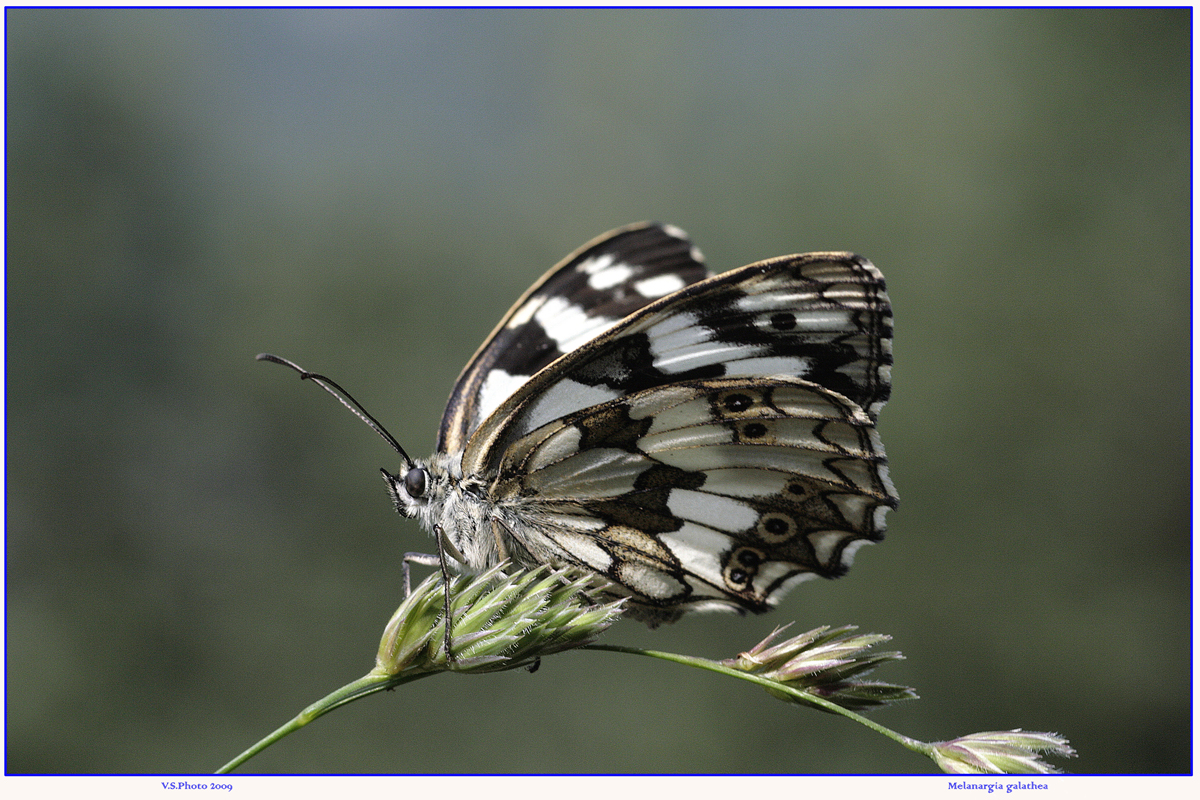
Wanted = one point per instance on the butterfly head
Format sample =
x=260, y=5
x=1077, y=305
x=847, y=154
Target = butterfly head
x=410, y=488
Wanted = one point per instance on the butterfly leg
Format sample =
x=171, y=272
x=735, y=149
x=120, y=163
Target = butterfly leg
x=427, y=560
x=440, y=536
x=424, y=559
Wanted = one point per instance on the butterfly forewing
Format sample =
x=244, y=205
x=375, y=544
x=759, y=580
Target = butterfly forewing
x=589, y=292
x=824, y=317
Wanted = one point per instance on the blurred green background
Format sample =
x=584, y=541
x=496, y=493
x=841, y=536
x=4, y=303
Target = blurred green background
x=200, y=545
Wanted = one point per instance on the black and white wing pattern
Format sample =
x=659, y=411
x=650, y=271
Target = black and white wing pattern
x=701, y=494
x=710, y=449
x=587, y=293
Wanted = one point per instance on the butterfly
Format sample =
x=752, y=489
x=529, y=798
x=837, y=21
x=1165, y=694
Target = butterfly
x=701, y=442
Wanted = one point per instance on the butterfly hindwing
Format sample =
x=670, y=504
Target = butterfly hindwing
x=702, y=493
x=587, y=293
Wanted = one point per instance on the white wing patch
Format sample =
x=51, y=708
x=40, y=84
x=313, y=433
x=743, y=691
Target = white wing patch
x=605, y=272
x=569, y=325
x=566, y=394
x=726, y=513
x=659, y=286
x=649, y=582
x=497, y=387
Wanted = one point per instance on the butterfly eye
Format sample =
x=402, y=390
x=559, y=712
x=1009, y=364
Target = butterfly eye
x=416, y=481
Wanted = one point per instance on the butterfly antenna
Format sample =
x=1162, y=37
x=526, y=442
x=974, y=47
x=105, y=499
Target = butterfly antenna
x=344, y=397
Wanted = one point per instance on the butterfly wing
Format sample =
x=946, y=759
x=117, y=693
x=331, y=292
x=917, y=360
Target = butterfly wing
x=703, y=493
x=589, y=292
x=713, y=448
x=823, y=317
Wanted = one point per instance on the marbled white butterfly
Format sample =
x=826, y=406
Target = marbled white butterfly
x=700, y=442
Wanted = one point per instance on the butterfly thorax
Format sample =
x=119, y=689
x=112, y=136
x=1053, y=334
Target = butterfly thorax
x=458, y=505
